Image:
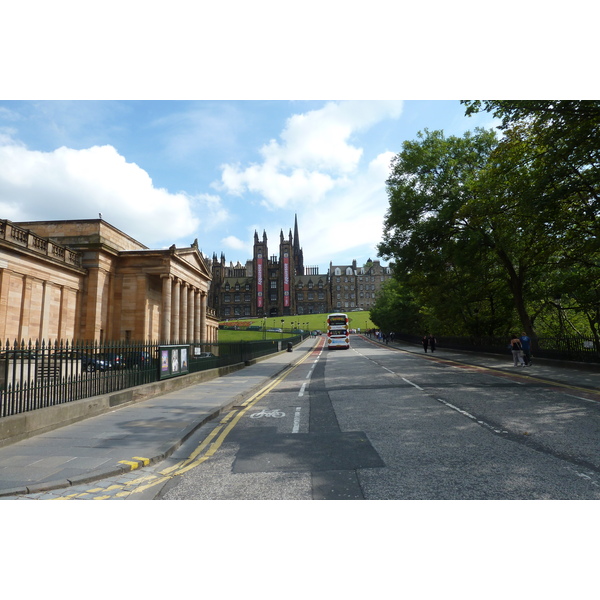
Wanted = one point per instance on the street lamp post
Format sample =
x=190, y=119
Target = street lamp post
x=282, y=322
x=264, y=328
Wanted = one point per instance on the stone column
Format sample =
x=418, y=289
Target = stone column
x=175, y=308
x=45, y=312
x=197, y=316
x=25, y=316
x=184, y=312
x=203, y=332
x=165, y=321
x=191, y=313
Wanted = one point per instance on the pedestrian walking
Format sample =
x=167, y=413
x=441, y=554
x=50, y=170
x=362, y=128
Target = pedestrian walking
x=425, y=342
x=526, y=345
x=517, y=351
x=432, y=342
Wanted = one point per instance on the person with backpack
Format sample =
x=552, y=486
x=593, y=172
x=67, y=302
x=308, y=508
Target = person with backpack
x=517, y=351
x=526, y=345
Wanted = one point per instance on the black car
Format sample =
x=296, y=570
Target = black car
x=137, y=360
x=89, y=362
x=19, y=355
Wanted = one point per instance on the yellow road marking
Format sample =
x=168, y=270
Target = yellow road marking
x=192, y=461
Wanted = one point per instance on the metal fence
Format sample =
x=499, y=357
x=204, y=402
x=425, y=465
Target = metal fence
x=570, y=349
x=38, y=375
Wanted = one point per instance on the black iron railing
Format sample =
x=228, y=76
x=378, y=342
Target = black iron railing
x=569, y=349
x=38, y=375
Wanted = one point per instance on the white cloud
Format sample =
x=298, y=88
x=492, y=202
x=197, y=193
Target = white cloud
x=79, y=184
x=314, y=158
x=234, y=243
x=357, y=211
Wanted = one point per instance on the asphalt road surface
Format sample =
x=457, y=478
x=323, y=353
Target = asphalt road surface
x=375, y=422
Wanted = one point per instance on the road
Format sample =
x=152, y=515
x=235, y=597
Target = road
x=377, y=422
x=374, y=422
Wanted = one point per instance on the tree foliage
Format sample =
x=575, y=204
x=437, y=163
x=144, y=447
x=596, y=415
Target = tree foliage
x=486, y=230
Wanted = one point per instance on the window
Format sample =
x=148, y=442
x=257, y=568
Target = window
x=338, y=271
x=300, y=296
x=227, y=298
x=273, y=285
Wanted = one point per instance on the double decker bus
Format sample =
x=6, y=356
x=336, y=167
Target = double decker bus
x=338, y=333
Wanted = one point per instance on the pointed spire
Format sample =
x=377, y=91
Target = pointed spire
x=296, y=236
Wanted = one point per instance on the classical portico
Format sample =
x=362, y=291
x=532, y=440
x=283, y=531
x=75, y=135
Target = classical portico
x=110, y=288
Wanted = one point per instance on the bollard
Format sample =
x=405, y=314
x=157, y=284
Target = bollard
x=289, y=349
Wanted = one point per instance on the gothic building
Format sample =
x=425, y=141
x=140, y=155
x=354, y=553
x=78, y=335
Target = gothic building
x=268, y=285
x=280, y=284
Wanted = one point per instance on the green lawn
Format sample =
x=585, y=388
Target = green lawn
x=358, y=320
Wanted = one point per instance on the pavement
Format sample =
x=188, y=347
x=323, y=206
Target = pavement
x=148, y=432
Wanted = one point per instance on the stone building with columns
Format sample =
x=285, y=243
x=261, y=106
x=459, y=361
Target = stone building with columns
x=87, y=280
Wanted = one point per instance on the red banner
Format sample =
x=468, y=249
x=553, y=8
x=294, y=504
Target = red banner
x=286, y=279
x=259, y=280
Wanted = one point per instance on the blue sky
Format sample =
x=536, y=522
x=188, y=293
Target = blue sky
x=181, y=124
x=171, y=171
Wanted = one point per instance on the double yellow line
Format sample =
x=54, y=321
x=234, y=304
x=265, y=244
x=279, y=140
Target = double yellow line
x=205, y=450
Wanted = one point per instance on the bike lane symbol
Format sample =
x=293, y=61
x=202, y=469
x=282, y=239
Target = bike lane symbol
x=275, y=413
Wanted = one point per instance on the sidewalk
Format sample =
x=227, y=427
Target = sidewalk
x=144, y=433
x=579, y=375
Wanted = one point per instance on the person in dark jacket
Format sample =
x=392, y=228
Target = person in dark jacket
x=425, y=342
x=432, y=342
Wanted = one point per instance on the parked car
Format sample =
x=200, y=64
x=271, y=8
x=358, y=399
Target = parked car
x=117, y=360
x=206, y=355
x=137, y=360
x=89, y=362
x=19, y=355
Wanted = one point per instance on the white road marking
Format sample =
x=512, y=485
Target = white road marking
x=470, y=416
x=296, y=427
x=301, y=393
x=413, y=384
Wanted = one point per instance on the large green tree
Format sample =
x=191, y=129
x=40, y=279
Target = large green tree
x=443, y=254
x=557, y=166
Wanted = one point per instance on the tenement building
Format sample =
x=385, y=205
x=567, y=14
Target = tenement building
x=87, y=280
x=280, y=285
x=355, y=288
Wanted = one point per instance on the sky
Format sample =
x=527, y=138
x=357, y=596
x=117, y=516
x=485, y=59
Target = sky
x=216, y=120
x=172, y=171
